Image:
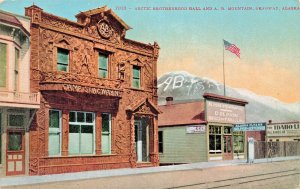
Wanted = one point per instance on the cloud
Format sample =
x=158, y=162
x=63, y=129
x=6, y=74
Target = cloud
x=1, y=1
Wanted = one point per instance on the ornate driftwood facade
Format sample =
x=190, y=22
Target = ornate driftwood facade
x=80, y=90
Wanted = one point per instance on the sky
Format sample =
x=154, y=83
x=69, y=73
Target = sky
x=191, y=40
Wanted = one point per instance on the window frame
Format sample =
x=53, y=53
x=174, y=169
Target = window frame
x=161, y=142
x=59, y=130
x=133, y=78
x=80, y=124
x=59, y=63
x=101, y=54
x=18, y=114
x=214, y=134
x=235, y=135
x=6, y=69
x=16, y=71
x=109, y=133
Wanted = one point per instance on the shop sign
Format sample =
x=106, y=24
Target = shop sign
x=91, y=90
x=250, y=127
x=283, y=129
x=224, y=112
x=195, y=129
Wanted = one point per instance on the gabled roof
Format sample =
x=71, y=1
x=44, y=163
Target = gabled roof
x=10, y=19
x=182, y=114
x=136, y=106
x=103, y=9
x=224, y=98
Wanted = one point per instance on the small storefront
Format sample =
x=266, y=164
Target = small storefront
x=221, y=113
x=288, y=131
x=202, y=130
x=14, y=139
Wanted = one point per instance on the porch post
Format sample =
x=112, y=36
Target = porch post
x=154, y=156
x=65, y=133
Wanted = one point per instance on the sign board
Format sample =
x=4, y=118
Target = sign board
x=92, y=90
x=195, y=129
x=250, y=127
x=224, y=112
x=283, y=129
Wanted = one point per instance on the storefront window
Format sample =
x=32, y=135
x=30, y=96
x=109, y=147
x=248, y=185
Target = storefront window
x=81, y=133
x=106, y=133
x=238, y=142
x=54, y=132
x=215, y=133
x=16, y=120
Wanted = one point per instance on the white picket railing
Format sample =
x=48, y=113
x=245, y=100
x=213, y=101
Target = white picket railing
x=20, y=97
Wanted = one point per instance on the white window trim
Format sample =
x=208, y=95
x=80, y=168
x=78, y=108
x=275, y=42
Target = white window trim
x=110, y=120
x=60, y=131
x=84, y=123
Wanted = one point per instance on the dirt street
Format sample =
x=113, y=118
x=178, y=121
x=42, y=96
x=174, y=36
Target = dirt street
x=281, y=175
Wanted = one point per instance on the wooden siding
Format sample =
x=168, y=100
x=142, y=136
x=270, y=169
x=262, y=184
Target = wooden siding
x=180, y=147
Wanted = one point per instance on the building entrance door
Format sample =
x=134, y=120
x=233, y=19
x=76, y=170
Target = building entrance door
x=15, y=152
x=141, y=141
x=227, y=148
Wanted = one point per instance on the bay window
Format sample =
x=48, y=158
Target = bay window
x=3, y=48
x=17, y=56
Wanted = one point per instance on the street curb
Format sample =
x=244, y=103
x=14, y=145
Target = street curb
x=27, y=180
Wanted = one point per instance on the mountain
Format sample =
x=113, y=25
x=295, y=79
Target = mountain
x=183, y=87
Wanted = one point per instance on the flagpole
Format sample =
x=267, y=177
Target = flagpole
x=224, y=71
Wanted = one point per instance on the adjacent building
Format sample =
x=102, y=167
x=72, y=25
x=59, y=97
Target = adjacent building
x=17, y=103
x=285, y=131
x=182, y=132
x=98, y=94
x=201, y=130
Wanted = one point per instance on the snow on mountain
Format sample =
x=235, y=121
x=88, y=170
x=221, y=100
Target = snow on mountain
x=184, y=86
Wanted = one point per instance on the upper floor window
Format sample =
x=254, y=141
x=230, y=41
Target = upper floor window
x=136, y=77
x=103, y=65
x=17, y=56
x=3, y=48
x=62, y=60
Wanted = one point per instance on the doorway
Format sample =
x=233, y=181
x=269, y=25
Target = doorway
x=15, y=152
x=227, y=147
x=141, y=127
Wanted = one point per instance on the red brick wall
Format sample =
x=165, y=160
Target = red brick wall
x=84, y=42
